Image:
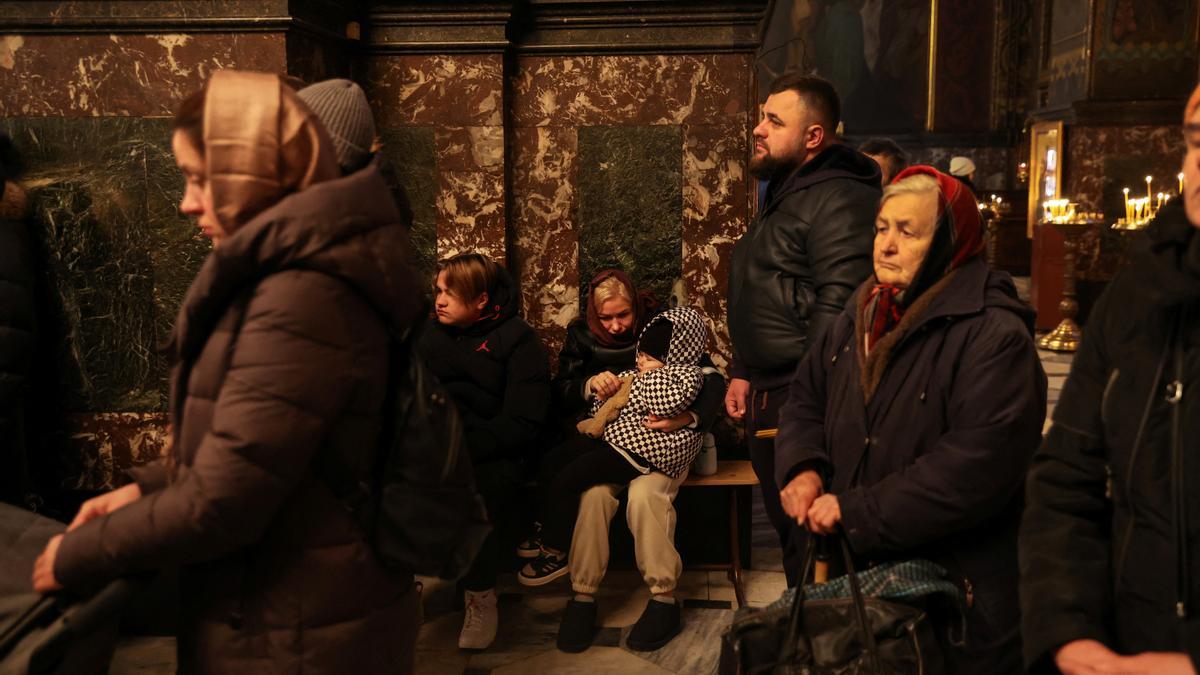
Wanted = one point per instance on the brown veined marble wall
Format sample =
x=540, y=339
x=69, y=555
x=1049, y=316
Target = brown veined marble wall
x=1100, y=161
x=554, y=96
x=460, y=100
x=110, y=443
x=121, y=75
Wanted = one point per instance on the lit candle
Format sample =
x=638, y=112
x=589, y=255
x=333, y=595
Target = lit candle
x=1128, y=211
x=1149, y=193
x=1180, y=177
x=1158, y=204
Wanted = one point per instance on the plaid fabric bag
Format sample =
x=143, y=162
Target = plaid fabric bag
x=912, y=581
x=873, y=622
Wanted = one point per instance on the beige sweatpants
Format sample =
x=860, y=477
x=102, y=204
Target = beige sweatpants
x=651, y=516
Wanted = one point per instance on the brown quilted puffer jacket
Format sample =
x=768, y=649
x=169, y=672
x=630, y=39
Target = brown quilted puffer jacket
x=281, y=363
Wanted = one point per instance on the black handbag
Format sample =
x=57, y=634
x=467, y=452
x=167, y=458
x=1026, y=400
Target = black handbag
x=832, y=636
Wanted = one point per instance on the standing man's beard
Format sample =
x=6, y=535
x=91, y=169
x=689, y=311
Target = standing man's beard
x=767, y=166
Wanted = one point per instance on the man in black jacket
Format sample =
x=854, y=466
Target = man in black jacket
x=1109, y=551
x=796, y=266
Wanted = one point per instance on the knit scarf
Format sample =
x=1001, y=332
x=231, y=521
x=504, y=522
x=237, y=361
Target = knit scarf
x=882, y=312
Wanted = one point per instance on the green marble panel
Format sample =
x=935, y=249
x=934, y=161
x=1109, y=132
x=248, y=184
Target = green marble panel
x=114, y=255
x=178, y=249
x=412, y=164
x=630, y=205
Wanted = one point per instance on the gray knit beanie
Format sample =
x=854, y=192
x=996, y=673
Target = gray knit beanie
x=342, y=107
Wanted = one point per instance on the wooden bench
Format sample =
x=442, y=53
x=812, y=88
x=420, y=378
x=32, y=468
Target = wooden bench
x=730, y=474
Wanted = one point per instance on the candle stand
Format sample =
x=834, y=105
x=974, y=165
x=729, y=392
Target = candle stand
x=1066, y=335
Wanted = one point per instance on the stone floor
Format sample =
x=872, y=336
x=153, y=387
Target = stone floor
x=529, y=623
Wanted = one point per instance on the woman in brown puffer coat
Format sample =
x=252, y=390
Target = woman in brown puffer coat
x=281, y=351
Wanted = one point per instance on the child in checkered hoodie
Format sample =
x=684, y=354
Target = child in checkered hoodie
x=666, y=382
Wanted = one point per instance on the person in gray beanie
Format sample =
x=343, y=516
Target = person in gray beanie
x=342, y=107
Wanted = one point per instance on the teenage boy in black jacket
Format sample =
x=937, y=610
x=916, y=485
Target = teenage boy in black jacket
x=497, y=372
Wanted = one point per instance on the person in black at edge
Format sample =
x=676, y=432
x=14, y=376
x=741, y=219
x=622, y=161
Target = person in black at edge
x=17, y=328
x=798, y=263
x=1110, y=559
x=497, y=372
x=890, y=157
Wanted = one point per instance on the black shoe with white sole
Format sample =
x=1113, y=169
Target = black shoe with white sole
x=543, y=569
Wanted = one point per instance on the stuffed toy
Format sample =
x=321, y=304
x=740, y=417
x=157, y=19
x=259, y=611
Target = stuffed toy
x=608, y=411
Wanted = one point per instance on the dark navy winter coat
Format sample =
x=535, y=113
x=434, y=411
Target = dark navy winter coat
x=928, y=456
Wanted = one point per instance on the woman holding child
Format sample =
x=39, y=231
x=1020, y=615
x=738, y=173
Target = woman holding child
x=601, y=343
x=600, y=346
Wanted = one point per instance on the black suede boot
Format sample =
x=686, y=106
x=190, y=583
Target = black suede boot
x=658, y=625
x=578, y=627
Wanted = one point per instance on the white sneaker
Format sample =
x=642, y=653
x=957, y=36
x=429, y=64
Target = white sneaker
x=480, y=620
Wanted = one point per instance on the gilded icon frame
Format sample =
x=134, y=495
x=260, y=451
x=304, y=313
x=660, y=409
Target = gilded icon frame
x=1046, y=142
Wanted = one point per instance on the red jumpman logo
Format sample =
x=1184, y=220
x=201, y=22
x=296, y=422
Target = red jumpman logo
x=483, y=347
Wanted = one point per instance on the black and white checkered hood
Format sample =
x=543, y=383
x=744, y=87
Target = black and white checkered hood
x=665, y=392
x=689, y=335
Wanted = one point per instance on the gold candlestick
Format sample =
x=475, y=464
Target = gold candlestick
x=1066, y=335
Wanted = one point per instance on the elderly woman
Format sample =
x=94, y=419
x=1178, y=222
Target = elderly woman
x=911, y=422
x=281, y=351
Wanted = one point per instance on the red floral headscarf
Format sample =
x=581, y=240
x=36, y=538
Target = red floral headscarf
x=958, y=239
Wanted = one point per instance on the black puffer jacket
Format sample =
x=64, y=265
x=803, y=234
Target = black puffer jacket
x=800, y=260
x=582, y=357
x=16, y=296
x=930, y=466
x=498, y=374
x=1110, y=541
x=16, y=338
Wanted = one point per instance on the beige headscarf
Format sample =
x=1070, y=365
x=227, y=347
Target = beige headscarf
x=261, y=143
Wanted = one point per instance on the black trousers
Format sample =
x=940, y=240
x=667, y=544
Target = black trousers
x=569, y=470
x=762, y=412
x=499, y=483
